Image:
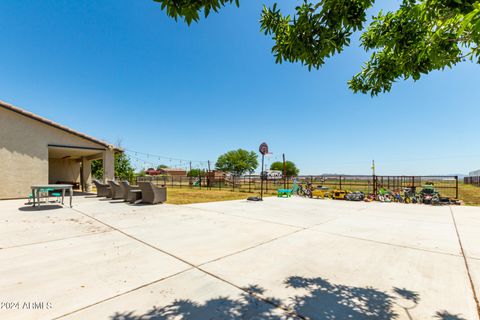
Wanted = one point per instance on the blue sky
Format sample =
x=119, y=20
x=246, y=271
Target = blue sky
x=123, y=71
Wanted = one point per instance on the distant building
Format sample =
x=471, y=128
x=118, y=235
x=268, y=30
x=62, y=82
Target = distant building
x=151, y=172
x=274, y=174
x=216, y=176
x=178, y=172
x=475, y=173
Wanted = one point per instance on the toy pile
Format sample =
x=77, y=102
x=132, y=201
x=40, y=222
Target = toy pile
x=427, y=195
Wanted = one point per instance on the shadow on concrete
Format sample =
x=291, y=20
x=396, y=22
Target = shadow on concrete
x=42, y=207
x=245, y=307
x=318, y=298
x=445, y=315
x=407, y=294
x=91, y=196
x=325, y=300
x=84, y=194
x=117, y=201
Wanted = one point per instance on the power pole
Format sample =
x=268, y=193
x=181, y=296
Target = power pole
x=284, y=172
x=190, y=183
x=209, y=183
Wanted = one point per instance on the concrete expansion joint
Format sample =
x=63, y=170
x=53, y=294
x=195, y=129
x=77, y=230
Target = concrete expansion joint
x=192, y=266
x=59, y=239
x=472, y=285
x=124, y=293
x=387, y=243
x=240, y=216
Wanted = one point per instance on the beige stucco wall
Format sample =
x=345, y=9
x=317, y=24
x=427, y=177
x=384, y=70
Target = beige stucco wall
x=63, y=170
x=24, y=152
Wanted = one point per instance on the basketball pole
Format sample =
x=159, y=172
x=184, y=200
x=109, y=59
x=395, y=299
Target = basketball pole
x=261, y=179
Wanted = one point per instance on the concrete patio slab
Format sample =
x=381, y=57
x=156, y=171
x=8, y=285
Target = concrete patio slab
x=326, y=275
x=468, y=225
x=393, y=229
x=411, y=212
x=76, y=272
x=191, y=237
x=106, y=259
x=195, y=235
x=22, y=225
x=474, y=266
x=189, y=295
x=288, y=211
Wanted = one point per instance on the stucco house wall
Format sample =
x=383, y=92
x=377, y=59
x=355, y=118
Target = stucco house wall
x=63, y=170
x=24, y=159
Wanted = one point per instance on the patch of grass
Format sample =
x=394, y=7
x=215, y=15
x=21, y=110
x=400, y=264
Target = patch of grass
x=469, y=194
x=188, y=196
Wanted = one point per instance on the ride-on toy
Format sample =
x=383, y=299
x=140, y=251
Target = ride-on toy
x=338, y=194
x=320, y=192
x=284, y=193
x=355, y=196
x=429, y=195
x=288, y=192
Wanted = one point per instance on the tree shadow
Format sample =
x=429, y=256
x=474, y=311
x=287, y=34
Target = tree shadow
x=325, y=300
x=317, y=298
x=225, y=308
x=445, y=315
x=407, y=294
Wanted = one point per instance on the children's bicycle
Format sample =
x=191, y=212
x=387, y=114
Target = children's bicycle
x=305, y=190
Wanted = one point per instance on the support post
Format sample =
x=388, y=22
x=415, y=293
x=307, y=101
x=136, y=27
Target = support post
x=86, y=175
x=108, y=165
x=456, y=187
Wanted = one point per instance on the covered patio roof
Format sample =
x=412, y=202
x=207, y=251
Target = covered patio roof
x=72, y=152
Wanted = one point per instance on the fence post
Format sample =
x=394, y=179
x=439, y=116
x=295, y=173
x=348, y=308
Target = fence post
x=340, y=179
x=456, y=187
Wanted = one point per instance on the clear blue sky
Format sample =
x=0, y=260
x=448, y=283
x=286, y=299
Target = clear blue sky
x=123, y=71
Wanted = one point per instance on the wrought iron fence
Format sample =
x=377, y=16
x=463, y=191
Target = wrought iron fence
x=446, y=185
x=473, y=180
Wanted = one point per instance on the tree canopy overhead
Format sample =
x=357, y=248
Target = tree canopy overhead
x=420, y=37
